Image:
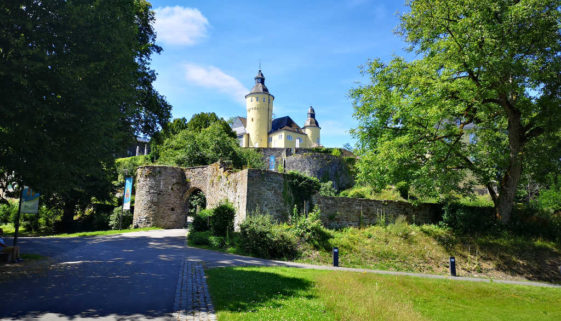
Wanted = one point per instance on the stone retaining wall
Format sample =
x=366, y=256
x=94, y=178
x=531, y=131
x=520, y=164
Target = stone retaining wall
x=162, y=193
x=339, y=212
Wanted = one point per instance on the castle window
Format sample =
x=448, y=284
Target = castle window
x=280, y=136
x=263, y=99
x=299, y=139
x=289, y=137
x=251, y=98
x=270, y=139
x=317, y=141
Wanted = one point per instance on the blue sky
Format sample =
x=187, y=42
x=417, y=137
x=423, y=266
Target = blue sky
x=310, y=53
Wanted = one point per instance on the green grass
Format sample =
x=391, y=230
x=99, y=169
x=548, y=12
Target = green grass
x=297, y=294
x=9, y=231
x=32, y=257
x=109, y=232
x=427, y=249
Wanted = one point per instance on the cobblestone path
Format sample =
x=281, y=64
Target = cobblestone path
x=192, y=300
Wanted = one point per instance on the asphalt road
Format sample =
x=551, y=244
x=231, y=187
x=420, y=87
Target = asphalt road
x=123, y=277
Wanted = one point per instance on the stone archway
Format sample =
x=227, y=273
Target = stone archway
x=195, y=200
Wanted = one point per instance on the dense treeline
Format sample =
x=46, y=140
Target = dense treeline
x=75, y=88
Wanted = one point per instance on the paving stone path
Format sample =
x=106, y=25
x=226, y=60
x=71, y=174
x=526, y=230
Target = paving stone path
x=192, y=300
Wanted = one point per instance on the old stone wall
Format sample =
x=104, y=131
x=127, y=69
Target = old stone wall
x=220, y=184
x=159, y=197
x=342, y=211
x=162, y=193
x=265, y=194
x=308, y=161
x=324, y=167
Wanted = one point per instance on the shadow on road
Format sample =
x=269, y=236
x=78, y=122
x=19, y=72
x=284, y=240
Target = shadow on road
x=119, y=276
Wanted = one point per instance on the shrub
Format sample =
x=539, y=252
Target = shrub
x=222, y=219
x=8, y=212
x=400, y=227
x=326, y=189
x=216, y=241
x=201, y=221
x=464, y=219
x=260, y=237
x=311, y=230
x=126, y=220
x=199, y=238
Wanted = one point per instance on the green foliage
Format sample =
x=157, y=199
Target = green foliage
x=126, y=218
x=85, y=95
x=202, y=121
x=260, y=237
x=477, y=106
x=336, y=152
x=327, y=189
x=8, y=212
x=199, y=237
x=222, y=219
x=311, y=230
x=467, y=220
x=191, y=148
x=197, y=200
x=219, y=221
x=127, y=166
x=168, y=130
x=201, y=221
x=216, y=241
x=362, y=191
x=299, y=188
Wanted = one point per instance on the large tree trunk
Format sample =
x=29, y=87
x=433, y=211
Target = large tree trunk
x=509, y=182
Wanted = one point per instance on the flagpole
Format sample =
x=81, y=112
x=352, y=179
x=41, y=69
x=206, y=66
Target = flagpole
x=17, y=220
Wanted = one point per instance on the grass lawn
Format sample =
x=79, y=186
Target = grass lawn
x=297, y=294
x=109, y=232
x=427, y=249
x=9, y=231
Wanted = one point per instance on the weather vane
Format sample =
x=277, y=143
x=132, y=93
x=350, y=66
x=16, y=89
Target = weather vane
x=259, y=64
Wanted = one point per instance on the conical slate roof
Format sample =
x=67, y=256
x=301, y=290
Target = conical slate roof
x=259, y=84
x=311, y=121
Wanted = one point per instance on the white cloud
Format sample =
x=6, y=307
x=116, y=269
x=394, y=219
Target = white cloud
x=214, y=78
x=180, y=26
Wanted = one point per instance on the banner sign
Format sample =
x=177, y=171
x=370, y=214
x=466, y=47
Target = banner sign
x=128, y=191
x=29, y=201
x=272, y=163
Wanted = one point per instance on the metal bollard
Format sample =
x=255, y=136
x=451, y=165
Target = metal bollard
x=452, y=266
x=335, y=256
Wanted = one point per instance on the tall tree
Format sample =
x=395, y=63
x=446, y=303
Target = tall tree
x=75, y=87
x=479, y=104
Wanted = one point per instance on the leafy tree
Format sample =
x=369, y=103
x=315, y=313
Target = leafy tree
x=75, y=87
x=191, y=148
x=479, y=105
x=201, y=121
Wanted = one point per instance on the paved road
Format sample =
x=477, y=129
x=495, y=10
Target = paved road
x=131, y=276
x=124, y=277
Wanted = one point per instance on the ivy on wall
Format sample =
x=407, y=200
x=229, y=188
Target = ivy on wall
x=298, y=188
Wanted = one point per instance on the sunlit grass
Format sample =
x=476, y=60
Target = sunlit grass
x=297, y=294
x=108, y=232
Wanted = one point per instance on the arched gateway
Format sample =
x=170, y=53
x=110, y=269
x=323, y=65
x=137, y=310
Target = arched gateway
x=163, y=192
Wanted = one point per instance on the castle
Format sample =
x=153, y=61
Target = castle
x=259, y=129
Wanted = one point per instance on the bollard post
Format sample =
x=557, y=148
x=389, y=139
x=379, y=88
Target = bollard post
x=335, y=256
x=452, y=266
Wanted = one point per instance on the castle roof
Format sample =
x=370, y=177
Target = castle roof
x=259, y=87
x=285, y=123
x=311, y=121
